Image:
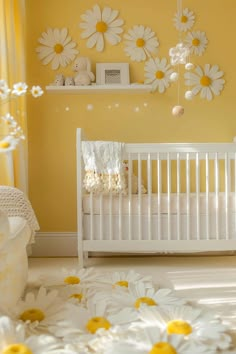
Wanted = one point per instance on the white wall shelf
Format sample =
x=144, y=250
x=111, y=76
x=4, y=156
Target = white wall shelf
x=95, y=89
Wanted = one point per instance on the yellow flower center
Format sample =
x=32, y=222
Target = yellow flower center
x=184, y=19
x=72, y=280
x=122, y=283
x=58, y=48
x=159, y=75
x=16, y=349
x=4, y=144
x=78, y=296
x=144, y=300
x=32, y=315
x=97, y=322
x=179, y=327
x=140, y=42
x=101, y=27
x=162, y=348
x=205, y=81
x=195, y=42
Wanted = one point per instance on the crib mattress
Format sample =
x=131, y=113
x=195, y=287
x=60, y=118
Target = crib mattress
x=164, y=204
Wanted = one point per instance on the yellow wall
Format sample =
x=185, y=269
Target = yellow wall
x=52, y=119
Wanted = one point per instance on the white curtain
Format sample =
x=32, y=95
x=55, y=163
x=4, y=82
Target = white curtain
x=12, y=70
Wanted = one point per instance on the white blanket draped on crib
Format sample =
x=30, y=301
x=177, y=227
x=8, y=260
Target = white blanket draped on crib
x=104, y=171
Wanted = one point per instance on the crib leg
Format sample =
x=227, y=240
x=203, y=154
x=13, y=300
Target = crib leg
x=86, y=257
x=81, y=257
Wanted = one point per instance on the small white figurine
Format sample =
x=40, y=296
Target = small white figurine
x=59, y=80
x=69, y=81
x=84, y=76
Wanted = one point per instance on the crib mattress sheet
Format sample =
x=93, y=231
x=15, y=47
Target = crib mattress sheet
x=163, y=204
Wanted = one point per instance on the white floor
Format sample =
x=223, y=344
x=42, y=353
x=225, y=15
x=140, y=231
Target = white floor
x=208, y=280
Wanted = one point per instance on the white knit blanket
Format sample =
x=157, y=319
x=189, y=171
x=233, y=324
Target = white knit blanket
x=104, y=170
x=15, y=203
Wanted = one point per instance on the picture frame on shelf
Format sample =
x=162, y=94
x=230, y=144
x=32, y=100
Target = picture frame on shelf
x=112, y=74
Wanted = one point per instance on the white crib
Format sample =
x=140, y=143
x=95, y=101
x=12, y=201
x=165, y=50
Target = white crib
x=189, y=206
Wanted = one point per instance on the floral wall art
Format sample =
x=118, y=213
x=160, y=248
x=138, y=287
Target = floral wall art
x=100, y=25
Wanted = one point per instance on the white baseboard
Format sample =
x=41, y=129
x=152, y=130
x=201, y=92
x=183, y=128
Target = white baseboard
x=55, y=244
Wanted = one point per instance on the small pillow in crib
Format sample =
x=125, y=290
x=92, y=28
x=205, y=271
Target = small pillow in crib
x=4, y=228
x=134, y=181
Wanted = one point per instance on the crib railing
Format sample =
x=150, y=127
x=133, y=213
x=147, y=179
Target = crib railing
x=190, y=201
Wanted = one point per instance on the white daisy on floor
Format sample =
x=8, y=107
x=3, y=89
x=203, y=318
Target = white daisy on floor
x=4, y=89
x=122, y=348
x=124, y=306
x=110, y=281
x=13, y=340
x=194, y=324
x=207, y=81
x=57, y=47
x=157, y=73
x=184, y=20
x=38, y=311
x=140, y=42
x=100, y=25
x=152, y=340
x=75, y=294
x=98, y=342
x=83, y=321
x=19, y=89
x=196, y=42
x=72, y=276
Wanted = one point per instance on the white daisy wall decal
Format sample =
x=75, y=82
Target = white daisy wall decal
x=207, y=81
x=184, y=20
x=196, y=42
x=140, y=42
x=56, y=47
x=99, y=25
x=157, y=73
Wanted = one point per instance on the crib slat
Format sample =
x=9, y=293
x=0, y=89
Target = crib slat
x=188, y=195
x=110, y=217
x=149, y=185
x=178, y=195
x=130, y=169
x=120, y=217
x=91, y=217
x=168, y=194
x=198, y=195
x=207, y=196
x=159, y=191
x=217, y=195
x=101, y=212
x=226, y=196
x=139, y=198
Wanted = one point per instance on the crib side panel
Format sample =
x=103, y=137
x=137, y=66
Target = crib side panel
x=175, y=192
